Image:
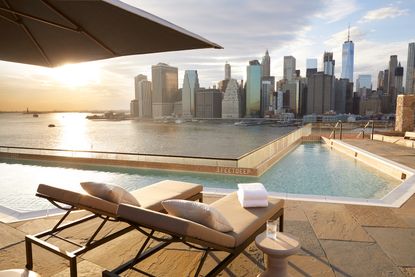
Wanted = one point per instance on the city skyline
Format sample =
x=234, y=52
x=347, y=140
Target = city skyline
x=377, y=29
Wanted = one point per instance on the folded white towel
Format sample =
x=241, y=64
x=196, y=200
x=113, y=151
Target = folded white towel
x=253, y=191
x=251, y=203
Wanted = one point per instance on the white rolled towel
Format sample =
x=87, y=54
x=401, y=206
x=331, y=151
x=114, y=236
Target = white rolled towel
x=253, y=191
x=251, y=203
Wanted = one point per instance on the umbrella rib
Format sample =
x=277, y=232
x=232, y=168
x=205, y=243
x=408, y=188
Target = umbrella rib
x=79, y=28
x=27, y=31
x=36, y=19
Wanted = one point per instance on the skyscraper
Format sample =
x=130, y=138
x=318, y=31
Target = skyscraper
x=399, y=79
x=267, y=93
x=380, y=80
x=231, y=103
x=165, y=89
x=266, y=65
x=227, y=71
x=364, y=81
x=190, y=85
x=137, y=80
x=348, y=58
x=311, y=65
x=385, y=81
x=253, y=88
x=328, y=63
x=410, y=69
x=208, y=103
x=393, y=63
x=289, y=67
x=144, y=99
x=320, y=93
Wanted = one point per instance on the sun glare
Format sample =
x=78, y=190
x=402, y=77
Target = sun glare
x=76, y=75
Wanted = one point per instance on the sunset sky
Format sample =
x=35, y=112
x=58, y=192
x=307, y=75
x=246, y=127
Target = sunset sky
x=301, y=28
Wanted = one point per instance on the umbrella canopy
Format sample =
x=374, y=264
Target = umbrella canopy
x=55, y=32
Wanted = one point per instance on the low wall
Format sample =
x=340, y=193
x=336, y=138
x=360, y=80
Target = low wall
x=395, y=140
x=388, y=167
x=253, y=163
x=277, y=147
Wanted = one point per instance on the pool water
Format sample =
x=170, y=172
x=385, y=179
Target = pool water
x=308, y=169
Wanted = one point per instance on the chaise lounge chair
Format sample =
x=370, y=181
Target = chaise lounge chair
x=247, y=223
x=149, y=198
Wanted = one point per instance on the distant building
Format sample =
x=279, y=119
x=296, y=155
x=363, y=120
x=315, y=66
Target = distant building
x=363, y=81
x=371, y=104
x=348, y=58
x=134, y=108
x=137, y=80
x=380, y=80
x=410, y=70
x=143, y=96
x=320, y=93
x=311, y=63
x=266, y=65
x=267, y=95
x=289, y=67
x=231, y=102
x=343, y=96
x=253, y=89
x=165, y=89
x=145, y=99
x=190, y=85
x=393, y=63
x=293, y=96
x=328, y=63
x=227, y=71
x=386, y=81
x=208, y=103
x=399, y=79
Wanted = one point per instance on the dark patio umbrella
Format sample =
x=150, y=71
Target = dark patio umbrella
x=54, y=32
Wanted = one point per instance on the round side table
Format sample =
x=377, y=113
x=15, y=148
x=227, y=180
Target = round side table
x=277, y=251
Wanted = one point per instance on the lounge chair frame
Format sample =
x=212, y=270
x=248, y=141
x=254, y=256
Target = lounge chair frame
x=40, y=238
x=198, y=244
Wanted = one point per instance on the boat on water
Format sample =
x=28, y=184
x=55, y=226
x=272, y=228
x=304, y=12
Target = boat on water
x=35, y=115
x=51, y=125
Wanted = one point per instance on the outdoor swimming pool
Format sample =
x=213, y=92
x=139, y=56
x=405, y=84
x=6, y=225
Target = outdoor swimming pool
x=309, y=169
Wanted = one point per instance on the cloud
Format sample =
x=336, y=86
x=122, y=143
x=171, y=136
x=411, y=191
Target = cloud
x=383, y=13
x=335, y=10
x=337, y=39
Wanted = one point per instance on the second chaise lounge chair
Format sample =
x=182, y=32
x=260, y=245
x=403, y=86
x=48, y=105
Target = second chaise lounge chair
x=247, y=223
x=148, y=197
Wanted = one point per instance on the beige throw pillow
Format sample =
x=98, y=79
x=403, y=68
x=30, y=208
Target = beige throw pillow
x=198, y=212
x=112, y=193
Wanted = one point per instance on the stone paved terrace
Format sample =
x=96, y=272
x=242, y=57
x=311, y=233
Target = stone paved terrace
x=337, y=240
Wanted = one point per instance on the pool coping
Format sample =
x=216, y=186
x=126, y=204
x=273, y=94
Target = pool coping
x=393, y=199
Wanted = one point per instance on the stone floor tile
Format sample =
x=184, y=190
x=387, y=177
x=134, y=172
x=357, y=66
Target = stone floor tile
x=9, y=236
x=398, y=244
x=296, y=214
x=359, y=259
x=336, y=223
x=375, y=216
x=84, y=268
x=307, y=266
x=408, y=271
x=45, y=263
x=303, y=231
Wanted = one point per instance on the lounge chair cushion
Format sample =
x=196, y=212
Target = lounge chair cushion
x=198, y=212
x=112, y=193
x=150, y=197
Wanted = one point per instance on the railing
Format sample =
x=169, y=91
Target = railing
x=333, y=132
x=372, y=124
x=351, y=130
